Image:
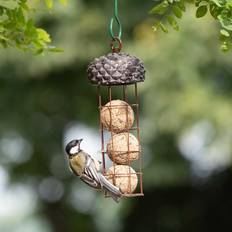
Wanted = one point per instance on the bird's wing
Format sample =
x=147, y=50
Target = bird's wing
x=97, y=165
x=89, y=181
x=95, y=179
x=90, y=169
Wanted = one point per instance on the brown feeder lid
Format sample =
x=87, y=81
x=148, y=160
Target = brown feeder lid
x=116, y=69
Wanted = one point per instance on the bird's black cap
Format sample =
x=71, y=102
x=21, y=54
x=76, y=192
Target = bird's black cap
x=72, y=144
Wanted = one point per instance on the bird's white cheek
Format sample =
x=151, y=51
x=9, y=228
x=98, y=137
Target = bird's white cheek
x=74, y=150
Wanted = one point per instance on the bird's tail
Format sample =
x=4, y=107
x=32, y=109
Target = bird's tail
x=114, y=191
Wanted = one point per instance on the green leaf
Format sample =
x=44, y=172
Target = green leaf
x=156, y=26
x=30, y=30
x=203, y=3
x=10, y=4
x=181, y=5
x=214, y=11
x=2, y=29
x=3, y=38
x=163, y=28
x=43, y=35
x=225, y=22
x=49, y=3
x=228, y=4
x=201, y=11
x=20, y=16
x=225, y=47
x=177, y=11
x=173, y=23
x=216, y=2
x=1, y=11
x=24, y=6
x=160, y=9
x=224, y=33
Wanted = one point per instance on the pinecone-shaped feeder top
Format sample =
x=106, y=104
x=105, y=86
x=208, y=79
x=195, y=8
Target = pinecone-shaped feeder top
x=116, y=69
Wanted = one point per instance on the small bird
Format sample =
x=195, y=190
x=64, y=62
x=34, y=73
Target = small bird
x=88, y=169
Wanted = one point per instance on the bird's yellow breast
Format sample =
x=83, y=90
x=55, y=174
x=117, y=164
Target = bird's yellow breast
x=77, y=163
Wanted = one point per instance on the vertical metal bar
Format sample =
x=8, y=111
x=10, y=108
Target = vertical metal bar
x=111, y=131
x=138, y=136
x=123, y=93
x=125, y=97
x=101, y=130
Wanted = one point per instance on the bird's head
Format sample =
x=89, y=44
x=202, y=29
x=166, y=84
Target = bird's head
x=73, y=147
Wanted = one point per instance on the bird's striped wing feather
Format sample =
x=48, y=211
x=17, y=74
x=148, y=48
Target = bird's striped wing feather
x=89, y=181
x=90, y=169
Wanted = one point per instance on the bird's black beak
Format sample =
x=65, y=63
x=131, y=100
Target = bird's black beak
x=80, y=140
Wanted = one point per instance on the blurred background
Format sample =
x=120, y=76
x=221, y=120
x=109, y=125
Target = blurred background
x=186, y=126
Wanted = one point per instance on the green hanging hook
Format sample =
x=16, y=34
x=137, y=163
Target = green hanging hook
x=118, y=22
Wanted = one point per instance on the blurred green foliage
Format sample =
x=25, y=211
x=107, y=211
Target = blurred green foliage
x=18, y=29
x=168, y=11
x=186, y=126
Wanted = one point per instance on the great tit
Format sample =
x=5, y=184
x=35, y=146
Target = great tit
x=88, y=169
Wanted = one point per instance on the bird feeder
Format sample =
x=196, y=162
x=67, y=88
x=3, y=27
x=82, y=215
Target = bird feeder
x=119, y=118
x=116, y=76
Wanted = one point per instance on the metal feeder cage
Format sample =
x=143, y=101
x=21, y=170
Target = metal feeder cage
x=123, y=71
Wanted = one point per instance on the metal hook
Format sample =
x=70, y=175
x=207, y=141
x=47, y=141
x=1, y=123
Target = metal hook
x=116, y=48
x=118, y=22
